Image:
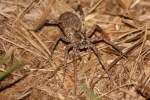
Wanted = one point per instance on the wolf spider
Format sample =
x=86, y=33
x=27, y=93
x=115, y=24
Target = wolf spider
x=76, y=38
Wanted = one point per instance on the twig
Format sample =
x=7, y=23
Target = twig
x=25, y=94
x=25, y=9
x=126, y=53
x=124, y=85
x=95, y=6
x=26, y=36
x=38, y=39
x=121, y=15
x=20, y=46
x=139, y=55
x=146, y=83
x=132, y=25
x=35, y=44
x=3, y=87
x=134, y=31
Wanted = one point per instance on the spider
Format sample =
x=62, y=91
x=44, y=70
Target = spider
x=76, y=38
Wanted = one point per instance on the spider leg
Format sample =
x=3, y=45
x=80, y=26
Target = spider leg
x=97, y=54
x=111, y=44
x=114, y=47
x=89, y=53
x=75, y=54
x=67, y=49
x=52, y=22
x=41, y=23
x=93, y=30
x=99, y=29
x=79, y=9
x=59, y=38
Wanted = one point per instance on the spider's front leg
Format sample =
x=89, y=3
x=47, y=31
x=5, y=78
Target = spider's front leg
x=67, y=49
x=94, y=29
x=43, y=22
x=73, y=47
x=75, y=54
x=58, y=39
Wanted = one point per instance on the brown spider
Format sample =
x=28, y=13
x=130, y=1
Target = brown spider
x=76, y=38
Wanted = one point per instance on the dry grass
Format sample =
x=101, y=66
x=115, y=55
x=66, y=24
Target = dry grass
x=125, y=22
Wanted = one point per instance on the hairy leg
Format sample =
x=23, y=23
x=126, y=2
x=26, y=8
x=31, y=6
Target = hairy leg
x=97, y=54
x=75, y=54
x=42, y=23
x=94, y=29
x=95, y=50
x=99, y=29
x=109, y=43
x=67, y=49
x=59, y=38
x=114, y=47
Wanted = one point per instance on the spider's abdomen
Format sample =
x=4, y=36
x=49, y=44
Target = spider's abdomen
x=70, y=21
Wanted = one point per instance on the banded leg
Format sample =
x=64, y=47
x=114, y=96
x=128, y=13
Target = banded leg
x=75, y=54
x=67, y=49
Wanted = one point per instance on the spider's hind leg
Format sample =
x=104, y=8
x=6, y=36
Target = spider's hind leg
x=97, y=54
